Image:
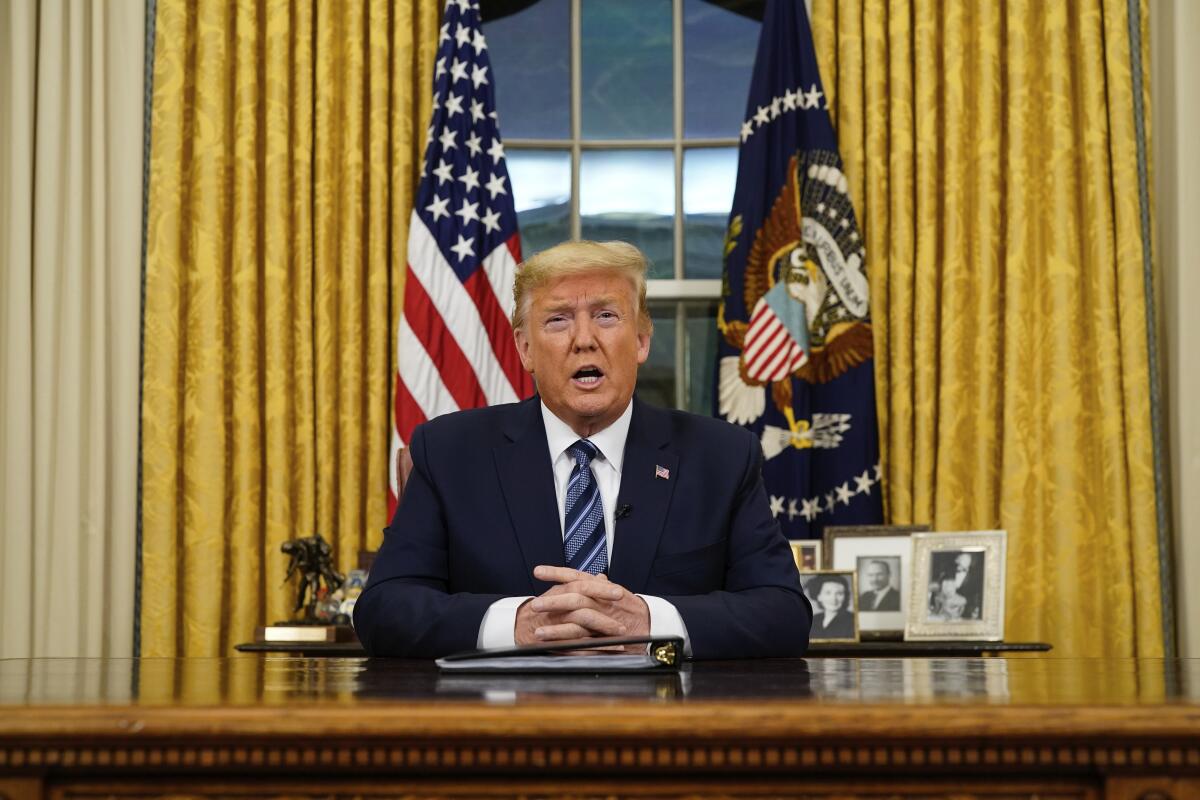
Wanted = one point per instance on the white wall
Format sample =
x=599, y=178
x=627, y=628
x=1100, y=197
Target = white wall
x=1175, y=98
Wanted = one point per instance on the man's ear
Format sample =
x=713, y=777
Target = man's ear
x=522, y=342
x=643, y=350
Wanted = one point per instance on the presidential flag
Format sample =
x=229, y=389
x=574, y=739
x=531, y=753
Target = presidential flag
x=795, y=358
x=455, y=343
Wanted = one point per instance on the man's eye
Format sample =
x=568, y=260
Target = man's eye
x=556, y=322
x=607, y=316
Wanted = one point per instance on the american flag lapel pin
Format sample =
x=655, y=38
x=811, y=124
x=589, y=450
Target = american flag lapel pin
x=662, y=472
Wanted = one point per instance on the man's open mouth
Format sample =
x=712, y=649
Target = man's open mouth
x=588, y=375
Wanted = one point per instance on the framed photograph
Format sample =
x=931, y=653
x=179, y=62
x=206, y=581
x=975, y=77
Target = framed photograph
x=807, y=553
x=958, y=586
x=835, y=614
x=881, y=557
x=833, y=533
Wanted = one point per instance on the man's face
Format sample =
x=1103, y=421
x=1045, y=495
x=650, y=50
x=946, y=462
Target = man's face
x=832, y=596
x=963, y=562
x=877, y=576
x=580, y=341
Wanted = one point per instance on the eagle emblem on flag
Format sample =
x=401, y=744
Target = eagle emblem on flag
x=810, y=312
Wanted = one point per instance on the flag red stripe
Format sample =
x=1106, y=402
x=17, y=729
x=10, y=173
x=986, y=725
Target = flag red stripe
x=776, y=368
x=408, y=413
x=760, y=331
x=499, y=330
x=757, y=320
x=758, y=314
x=771, y=343
x=427, y=323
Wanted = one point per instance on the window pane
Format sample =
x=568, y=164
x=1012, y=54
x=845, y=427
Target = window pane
x=531, y=59
x=701, y=355
x=656, y=378
x=630, y=195
x=718, y=58
x=541, y=186
x=626, y=76
x=709, y=175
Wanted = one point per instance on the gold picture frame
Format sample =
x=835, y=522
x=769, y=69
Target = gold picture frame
x=806, y=553
x=836, y=630
x=958, y=586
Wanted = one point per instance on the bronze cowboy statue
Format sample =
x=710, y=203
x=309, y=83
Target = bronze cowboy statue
x=313, y=558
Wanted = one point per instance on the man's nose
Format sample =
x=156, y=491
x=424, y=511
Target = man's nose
x=585, y=338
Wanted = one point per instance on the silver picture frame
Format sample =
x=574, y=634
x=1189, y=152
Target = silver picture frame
x=958, y=586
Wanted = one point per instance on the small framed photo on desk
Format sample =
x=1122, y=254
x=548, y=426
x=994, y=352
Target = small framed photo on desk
x=835, y=614
x=958, y=586
x=807, y=553
x=881, y=557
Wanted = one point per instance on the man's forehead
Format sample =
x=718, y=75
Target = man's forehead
x=589, y=287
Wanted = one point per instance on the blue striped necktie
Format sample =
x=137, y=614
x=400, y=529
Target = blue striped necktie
x=583, y=522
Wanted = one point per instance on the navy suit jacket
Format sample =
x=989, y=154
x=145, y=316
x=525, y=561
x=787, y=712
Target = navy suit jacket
x=479, y=513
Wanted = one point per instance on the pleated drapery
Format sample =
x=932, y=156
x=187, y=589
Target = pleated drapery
x=992, y=154
x=70, y=266
x=286, y=141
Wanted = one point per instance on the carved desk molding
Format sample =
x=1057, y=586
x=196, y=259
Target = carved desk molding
x=308, y=721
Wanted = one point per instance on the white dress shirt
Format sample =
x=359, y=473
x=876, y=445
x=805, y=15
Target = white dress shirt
x=497, y=627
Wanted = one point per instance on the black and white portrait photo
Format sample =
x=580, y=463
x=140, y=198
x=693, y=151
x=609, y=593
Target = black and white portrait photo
x=955, y=586
x=878, y=583
x=832, y=598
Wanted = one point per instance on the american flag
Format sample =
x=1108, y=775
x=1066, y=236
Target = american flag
x=776, y=338
x=455, y=344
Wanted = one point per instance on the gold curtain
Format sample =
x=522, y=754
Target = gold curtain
x=286, y=147
x=992, y=154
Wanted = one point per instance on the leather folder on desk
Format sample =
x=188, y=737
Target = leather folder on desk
x=573, y=656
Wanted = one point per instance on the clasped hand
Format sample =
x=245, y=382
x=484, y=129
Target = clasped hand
x=580, y=605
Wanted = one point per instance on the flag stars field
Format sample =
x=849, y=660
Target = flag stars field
x=438, y=207
x=813, y=507
x=465, y=247
x=495, y=186
x=791, y=100
x=469, y=179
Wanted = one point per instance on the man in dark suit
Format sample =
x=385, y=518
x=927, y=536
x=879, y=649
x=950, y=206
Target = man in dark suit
x=880, y=595
x=583, y=512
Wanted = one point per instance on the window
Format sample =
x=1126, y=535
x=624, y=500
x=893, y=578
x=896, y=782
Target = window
x=620, y=121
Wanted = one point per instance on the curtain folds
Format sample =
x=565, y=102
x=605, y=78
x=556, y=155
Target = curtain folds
x=286, y=148
x=992, y=153
x=70, y=265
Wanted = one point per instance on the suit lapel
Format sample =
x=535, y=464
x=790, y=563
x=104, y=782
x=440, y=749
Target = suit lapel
x=527, y=480
x=646, y=493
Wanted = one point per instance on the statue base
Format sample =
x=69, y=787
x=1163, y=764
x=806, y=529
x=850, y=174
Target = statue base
x=305, y=632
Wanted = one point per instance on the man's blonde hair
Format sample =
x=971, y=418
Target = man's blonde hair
x=579, y=258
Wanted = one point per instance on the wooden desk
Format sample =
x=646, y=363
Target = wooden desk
x=869, y=649
x=817, y=728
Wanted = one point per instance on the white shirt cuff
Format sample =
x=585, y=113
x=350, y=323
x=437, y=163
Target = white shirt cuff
x=665, y=621
x=498, y=628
